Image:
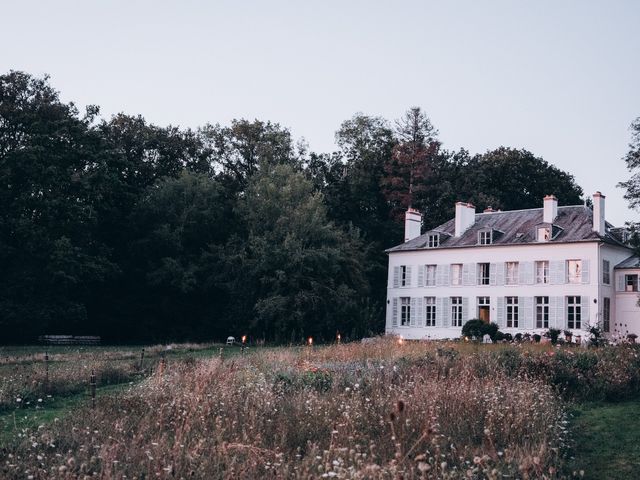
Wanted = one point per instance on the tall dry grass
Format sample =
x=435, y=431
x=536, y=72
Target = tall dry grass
x=25, y=377
x=352, y=411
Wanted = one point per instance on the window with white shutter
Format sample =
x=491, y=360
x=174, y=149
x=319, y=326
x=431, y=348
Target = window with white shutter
x=430, y=311
x=574, y=312
x=430, y=275
x=405, y=311
x=542, y=312
x=512, y=312
x=512, y=273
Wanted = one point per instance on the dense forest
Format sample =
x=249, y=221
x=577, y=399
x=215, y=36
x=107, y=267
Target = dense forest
x=137, y=232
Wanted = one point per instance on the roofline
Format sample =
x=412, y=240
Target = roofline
x=528, y=209
x=390, y=250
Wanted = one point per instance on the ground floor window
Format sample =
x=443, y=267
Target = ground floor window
x=405, y=311
x=542, y=312
x=512, y=312
x=606, y=314
x=574, y=312
x=456, y=311
x=430, y=311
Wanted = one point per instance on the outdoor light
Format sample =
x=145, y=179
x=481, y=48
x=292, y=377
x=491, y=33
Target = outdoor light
x=400, y=340
x=244, y=338
x=339, y=337
x=310, y=341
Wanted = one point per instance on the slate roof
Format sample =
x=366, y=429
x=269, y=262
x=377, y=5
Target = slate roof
x=517, y=227
x=631, y=262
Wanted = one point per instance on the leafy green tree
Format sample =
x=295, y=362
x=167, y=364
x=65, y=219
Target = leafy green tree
x=50, y=262
x=632, y=159
x=174, y=292
x=296, y=274
x=512, y=179
x=242, y=148
x=411, y=163
x=354, y=194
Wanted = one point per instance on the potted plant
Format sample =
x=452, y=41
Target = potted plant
x=552, y=334
x=568, y=335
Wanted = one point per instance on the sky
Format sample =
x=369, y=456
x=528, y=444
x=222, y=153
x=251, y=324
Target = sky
x=558, y=78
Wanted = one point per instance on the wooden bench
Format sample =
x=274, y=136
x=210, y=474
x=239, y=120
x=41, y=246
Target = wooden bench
x=69, y=340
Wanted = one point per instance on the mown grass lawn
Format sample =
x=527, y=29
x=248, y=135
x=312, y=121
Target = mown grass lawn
x=15, y=421
x=607, y=439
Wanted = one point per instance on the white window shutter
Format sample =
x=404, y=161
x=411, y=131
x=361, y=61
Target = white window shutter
x=414, y=312
x=620, y=282
x=557, y=272
x=420, y=314
x=420, y=275
x=553, y=313
x=446, y=312
x=396, y=277
x=553, y=274
x=530, y=274
x=501, y=320
x=409, y=279
x=585, y=271
x=500, y=274
x=465, y=274
x=465, y=309
x=584, y=307
x=521, y=312
x=492, y=273
x=561, y=313
x=469, y=274
x=444, y=271
x=525, y=311
x=440, y=308
x=521, y=274
x=394, y=315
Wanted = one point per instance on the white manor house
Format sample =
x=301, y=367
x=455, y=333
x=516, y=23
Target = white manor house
x=526, y=270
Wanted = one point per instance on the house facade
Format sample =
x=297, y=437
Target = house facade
x=526, y=270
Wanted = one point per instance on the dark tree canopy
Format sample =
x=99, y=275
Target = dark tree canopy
x=632, y=159
x=410, y=169
x=136, y=232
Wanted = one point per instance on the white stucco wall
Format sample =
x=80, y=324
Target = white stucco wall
x=627, y=318
x=591, y=253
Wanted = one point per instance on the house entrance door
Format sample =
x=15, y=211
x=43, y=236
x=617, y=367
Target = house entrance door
x=483, y=313
x=483, y=308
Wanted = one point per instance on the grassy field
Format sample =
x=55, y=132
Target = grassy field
x=607, y=440
x=382, y=410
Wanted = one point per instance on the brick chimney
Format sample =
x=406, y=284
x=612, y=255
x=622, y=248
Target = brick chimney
x=598, y=213
x=465, y=217
x=412, y=224
x=550, y=209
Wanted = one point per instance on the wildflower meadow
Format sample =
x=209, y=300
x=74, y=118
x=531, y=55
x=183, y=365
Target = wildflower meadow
x=384, y=409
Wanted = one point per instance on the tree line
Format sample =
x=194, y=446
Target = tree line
x=136, y=232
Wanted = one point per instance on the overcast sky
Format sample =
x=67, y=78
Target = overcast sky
x=559, y=78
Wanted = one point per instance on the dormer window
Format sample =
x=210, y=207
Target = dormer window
x=544, y=234
x=485, y=237
x=433, y=240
